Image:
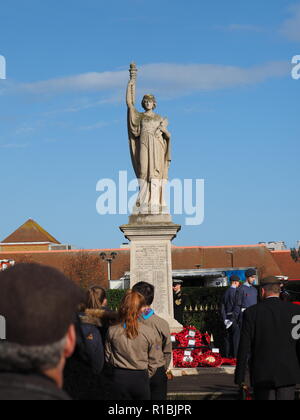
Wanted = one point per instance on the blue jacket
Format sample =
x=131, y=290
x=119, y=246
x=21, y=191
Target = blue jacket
x=245, y=298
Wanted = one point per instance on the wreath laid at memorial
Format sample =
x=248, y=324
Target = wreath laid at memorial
x=192, y=349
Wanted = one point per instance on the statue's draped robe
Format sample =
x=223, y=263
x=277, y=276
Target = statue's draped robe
x=145, y=138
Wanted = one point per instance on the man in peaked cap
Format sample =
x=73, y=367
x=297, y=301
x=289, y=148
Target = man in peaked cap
x=269, y=343
x=232, y=336
x=39, y=306
x=246, y=296
x=179, y=301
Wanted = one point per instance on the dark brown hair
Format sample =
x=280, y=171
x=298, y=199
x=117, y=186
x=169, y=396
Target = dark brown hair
x=130, y=311
x=147, y=290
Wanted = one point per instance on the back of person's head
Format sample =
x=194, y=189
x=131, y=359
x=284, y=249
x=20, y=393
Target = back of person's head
x=130, y=310
x=271, y=286
x=147, y=290
x=96, y=297
x=39, y=306
x=272, y=289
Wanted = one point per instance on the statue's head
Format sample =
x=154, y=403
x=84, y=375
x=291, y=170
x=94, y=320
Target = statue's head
x=149, y=102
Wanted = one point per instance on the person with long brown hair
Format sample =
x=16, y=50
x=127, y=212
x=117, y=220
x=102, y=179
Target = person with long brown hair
x=96, y=298
x=85, y=377
x=131, y=351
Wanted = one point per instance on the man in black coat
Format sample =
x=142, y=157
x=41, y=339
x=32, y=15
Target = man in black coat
x=269, y=342
x=39, y=305
x=232, y=336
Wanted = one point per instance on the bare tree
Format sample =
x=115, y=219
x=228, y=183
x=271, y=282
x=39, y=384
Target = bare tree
x=85, y=269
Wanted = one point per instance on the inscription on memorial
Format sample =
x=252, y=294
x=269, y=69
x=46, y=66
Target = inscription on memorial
x=151, y=265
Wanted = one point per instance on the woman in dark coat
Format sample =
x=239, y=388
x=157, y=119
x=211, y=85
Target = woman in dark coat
x=84, y=379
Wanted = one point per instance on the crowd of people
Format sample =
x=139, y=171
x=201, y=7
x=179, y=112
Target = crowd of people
x=261, y=335
x=63, y=343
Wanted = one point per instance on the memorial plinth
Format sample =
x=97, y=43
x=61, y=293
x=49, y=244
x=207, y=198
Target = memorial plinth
x=150, y=239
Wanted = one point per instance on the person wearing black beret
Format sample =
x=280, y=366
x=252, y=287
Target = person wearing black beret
x=39, y=306
x=246, y=296
x=270, y=345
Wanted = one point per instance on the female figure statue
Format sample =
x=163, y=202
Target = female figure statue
x=150, y=149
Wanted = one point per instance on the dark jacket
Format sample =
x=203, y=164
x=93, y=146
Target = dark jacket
x=180, y=301
x=30, y=387
x=82, y=377
x=228, y=304
x=267, y=339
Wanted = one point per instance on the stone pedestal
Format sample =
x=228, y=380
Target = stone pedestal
x=150, y=239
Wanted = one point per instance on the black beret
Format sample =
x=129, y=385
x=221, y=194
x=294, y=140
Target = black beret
x=38, y=303
x=270, y=281
x=250, y=273
x=235, y=279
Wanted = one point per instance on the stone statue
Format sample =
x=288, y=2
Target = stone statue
x=150, y=147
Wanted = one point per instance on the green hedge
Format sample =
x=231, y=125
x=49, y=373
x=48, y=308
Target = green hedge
x=114, y=298
x=194, y=296
x=207, y=320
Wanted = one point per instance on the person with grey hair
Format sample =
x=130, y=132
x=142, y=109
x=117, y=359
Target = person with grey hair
x=39, y=306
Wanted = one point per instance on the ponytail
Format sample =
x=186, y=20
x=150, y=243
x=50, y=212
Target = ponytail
x=96, y=296
x=130, y=311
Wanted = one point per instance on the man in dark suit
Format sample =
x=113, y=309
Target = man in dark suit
x=270, y=341
x=232, y=336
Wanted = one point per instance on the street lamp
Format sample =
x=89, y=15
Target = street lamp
x=109, y=260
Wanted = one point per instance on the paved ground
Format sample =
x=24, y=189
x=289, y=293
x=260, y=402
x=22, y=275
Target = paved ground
x=205, y=386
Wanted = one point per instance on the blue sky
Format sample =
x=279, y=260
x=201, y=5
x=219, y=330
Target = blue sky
x=222, y=74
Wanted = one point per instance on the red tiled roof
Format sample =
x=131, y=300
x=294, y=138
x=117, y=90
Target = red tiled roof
x=30, y=232
x=287, y=265
x=183, y=259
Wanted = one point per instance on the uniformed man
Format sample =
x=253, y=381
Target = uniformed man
x=232, y=337
x=179, y=301
x=246, y=296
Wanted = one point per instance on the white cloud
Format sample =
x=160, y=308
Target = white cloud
x=24, y=130
x=81, y=82
x=291, y=27
x=168, y=80
x=95, y=126
x=13, y=146
x=237, y=27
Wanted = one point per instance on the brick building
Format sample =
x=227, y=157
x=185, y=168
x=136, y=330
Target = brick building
x=196, y=265
x=28, y=237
